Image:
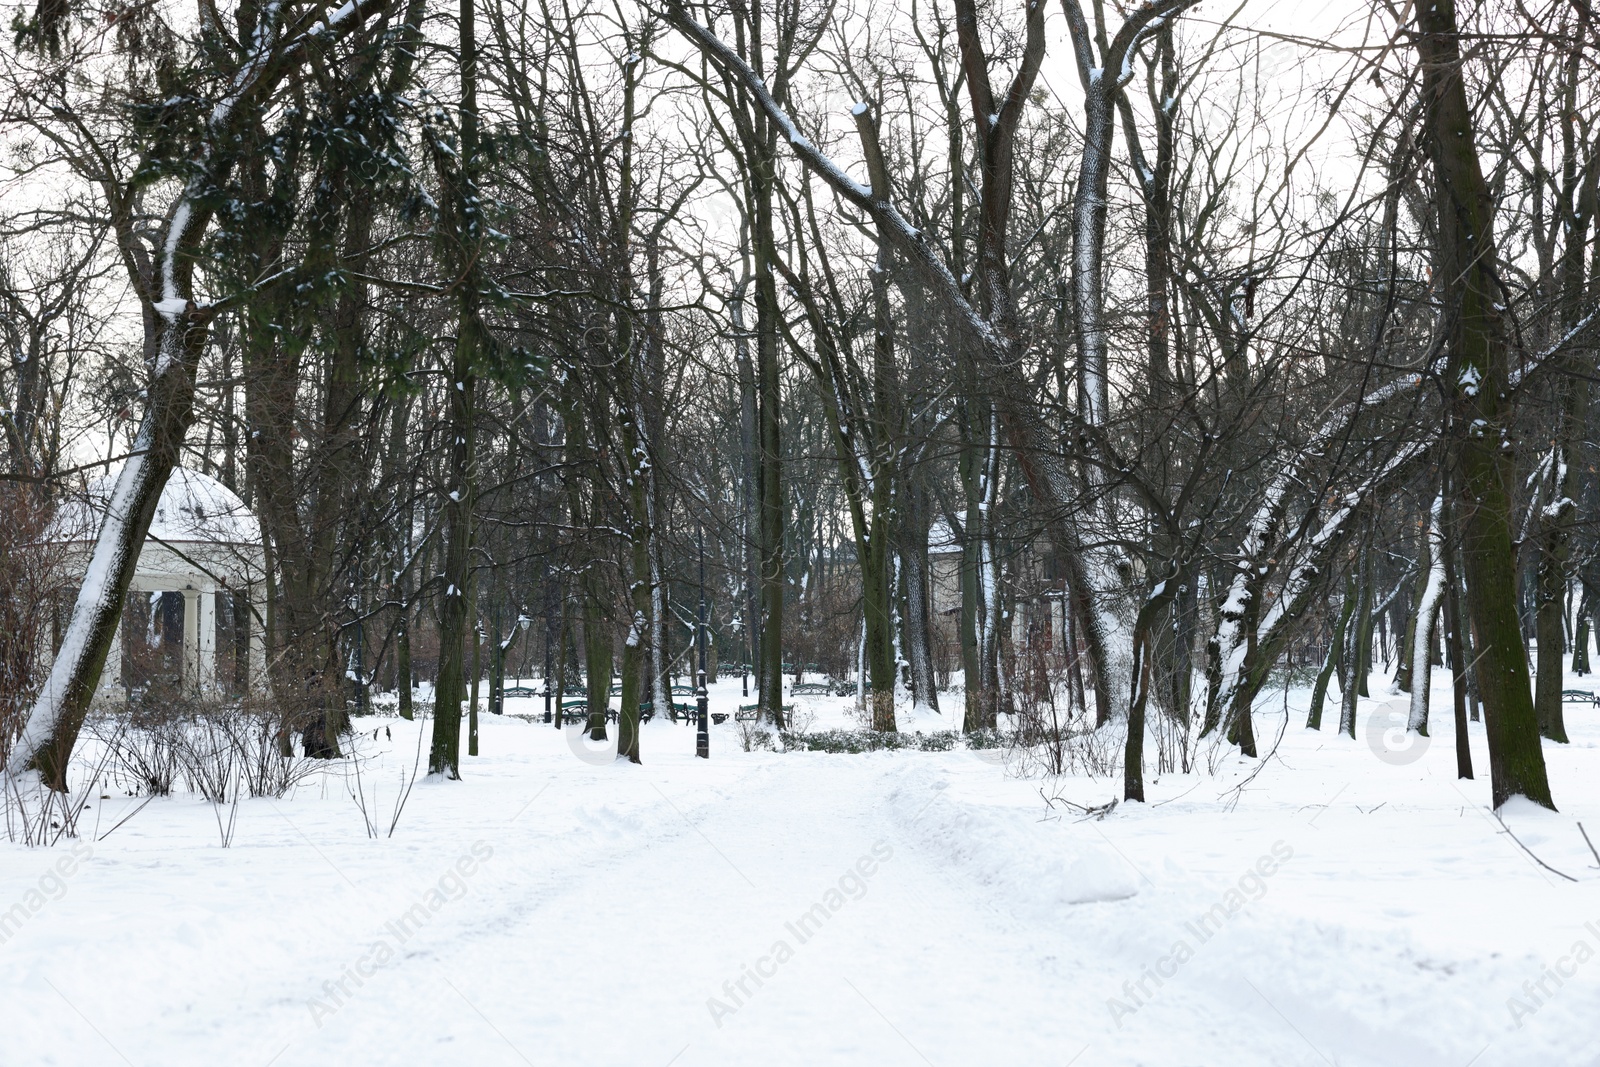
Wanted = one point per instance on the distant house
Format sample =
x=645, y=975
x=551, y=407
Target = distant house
x=1032, y=593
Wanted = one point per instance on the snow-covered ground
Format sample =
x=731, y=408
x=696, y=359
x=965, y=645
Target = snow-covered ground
x=891, y=908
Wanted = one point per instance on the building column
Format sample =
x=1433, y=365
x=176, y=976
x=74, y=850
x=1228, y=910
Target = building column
x=191, y=640
x=206, y=660
x=258, y=639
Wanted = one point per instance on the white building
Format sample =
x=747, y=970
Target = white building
x=203, y=542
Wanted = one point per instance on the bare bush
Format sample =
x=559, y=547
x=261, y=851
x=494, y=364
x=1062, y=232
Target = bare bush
x=38, y=816
x=220, y=751
x=30, y=578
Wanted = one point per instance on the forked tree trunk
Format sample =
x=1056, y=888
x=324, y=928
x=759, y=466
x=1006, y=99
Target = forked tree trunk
x=1319, y=692
x=1477, y=375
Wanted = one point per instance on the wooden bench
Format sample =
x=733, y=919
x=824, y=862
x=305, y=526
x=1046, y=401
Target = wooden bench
x=812, y=689
x=752, y=712
x=675, y=710
x=520, y=691
x=575, y=711
x=1579, y=696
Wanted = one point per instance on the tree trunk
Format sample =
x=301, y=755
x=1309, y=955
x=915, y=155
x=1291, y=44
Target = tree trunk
x=1154, y=610
x=444, y=754
x=1477, y=373
x=476, y=635
x=772, y=509
x=1335, y=654
x=1453, y=639
x=1430, y=562
x=971, y=460
x=914, y=571
x=1402, y=670
x=598, y=657
x=1350, y=659
x=58, y=711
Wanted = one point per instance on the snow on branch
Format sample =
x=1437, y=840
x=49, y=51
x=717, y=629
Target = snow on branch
x=906, y=238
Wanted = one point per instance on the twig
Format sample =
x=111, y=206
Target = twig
x=125, y=818
x=400, y=805
x=1098, y=811
x=1586, y=841
x=1529, y=851
x=1180, y=796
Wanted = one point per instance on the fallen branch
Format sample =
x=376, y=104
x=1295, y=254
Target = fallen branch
x=1529, y=851
x=1586, y=841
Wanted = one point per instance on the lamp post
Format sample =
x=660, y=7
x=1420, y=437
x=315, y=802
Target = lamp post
x=702, y=740
x=497, y=695
x=549, y=640
x=361, y=667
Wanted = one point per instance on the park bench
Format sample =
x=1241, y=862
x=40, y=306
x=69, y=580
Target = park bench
x=675, y=709
x=1569, y=696
x=519, y=691
x=578, y=711
x=812, y=689
x=752, y=712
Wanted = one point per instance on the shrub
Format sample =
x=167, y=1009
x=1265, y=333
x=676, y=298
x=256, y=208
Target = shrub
x=858, y=741
x=990, y=738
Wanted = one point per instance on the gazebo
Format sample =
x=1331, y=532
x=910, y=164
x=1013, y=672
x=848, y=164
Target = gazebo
x=203, y=541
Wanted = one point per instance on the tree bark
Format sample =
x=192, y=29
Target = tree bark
x=1335, y=654
x=1477, y=376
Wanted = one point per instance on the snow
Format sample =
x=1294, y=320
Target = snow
x=95, y=595
x=173, y=302
x=1336, y=908
x=194, y=507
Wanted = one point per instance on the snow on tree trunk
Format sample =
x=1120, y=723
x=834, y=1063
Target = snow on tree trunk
x=59, y=709
x=177, y=333
x=1425, y=625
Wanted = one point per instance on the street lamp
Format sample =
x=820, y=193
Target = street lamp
x=497, y=694
x=360, y=664
x=549, y=639
x=702, y=740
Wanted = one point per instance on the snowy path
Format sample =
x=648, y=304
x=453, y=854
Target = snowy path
x=604, y=915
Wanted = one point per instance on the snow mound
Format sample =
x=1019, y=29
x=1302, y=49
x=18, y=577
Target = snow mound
x=1024, y=860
